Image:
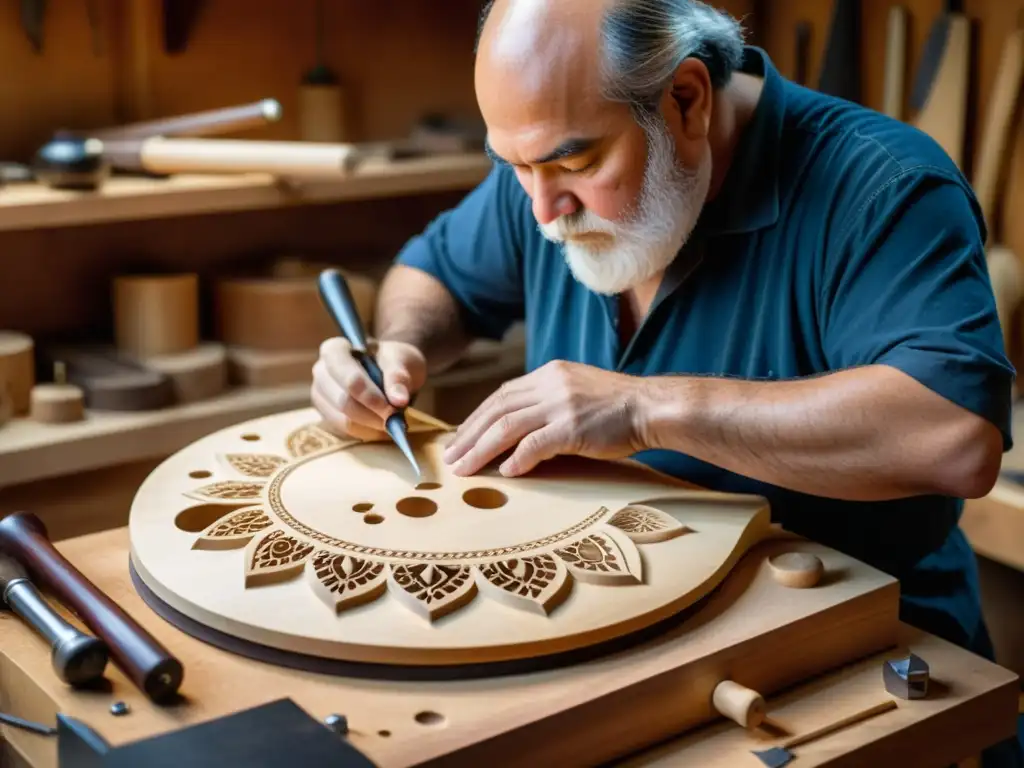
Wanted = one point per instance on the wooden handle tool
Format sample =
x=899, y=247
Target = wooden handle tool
x=780, y=755
x=144, y=660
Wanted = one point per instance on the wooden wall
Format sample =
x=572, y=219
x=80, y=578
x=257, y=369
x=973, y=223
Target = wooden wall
x=398, y=59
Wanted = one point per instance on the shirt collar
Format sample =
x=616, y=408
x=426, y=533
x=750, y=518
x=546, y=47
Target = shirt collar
x=749, y=197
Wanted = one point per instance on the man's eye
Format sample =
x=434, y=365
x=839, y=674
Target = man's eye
x=580, y=168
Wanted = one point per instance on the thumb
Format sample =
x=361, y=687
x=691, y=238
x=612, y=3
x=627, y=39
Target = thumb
x=397, y=379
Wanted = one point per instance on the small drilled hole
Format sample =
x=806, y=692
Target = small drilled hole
x=362, y=506
x=195, y=519
x=416, y=506
x=384, y=734
x=429, y=718
x=251, y=437
x=373, y=518
x=199, y=474
x=428, y=486
x=485, y=498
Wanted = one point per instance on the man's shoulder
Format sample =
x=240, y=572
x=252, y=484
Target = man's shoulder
x=848, y=156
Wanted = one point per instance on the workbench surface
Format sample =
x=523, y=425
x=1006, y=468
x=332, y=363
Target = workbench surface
x=973, y=703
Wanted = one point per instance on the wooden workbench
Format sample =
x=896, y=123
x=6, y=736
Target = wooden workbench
x=974, y=702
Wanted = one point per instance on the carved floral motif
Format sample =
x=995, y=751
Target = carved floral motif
x=534, y=576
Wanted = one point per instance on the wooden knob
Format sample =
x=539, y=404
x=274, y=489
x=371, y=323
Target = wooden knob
x=799, y=570
x=739, y=703
x=57, y=403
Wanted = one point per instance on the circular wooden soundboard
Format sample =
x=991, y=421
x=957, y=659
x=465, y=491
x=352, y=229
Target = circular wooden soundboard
x=278, y=533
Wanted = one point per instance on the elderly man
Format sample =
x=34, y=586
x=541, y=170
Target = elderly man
x=737, y=280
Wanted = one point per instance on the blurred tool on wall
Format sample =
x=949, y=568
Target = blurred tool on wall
x=323, y=114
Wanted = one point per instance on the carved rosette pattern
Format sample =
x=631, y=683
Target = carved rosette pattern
x=534, y=576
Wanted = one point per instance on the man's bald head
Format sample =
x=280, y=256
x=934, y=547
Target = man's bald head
x=603, y=109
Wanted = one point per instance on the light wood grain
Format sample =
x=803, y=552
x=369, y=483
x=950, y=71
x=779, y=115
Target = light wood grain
x=26, y=206
x=373, y=564
x=972, y=709
x=575, y=715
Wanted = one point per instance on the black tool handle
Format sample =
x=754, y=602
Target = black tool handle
x=338, y=299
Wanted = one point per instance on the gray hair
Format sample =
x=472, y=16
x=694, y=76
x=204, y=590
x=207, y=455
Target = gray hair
x=646, y=40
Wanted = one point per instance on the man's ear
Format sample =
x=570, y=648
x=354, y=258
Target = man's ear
x=693, y=95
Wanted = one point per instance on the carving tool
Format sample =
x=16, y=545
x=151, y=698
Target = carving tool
x=840, y=71
x=781, y=755
x=802, y=52
x=147, y=663
x=78, y=659
x=939, y=93
x=895, y=62
x=339, y=302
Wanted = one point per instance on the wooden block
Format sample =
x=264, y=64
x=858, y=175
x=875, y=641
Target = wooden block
x=270, y=368
x=196, y=374
x=156, y=314
x=17, y=369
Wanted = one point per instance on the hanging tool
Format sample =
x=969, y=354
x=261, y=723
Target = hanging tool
x=339, y=302
x=33, y=14
x=781, y=755
x=895, y=62
x=940, y=90
x=840, y=72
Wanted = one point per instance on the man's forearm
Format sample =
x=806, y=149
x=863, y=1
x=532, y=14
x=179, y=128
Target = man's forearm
x=414, y=307
x=864, y=434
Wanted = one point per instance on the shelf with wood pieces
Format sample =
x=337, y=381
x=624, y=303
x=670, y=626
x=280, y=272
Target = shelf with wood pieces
x=31, y=451
x=124, y=198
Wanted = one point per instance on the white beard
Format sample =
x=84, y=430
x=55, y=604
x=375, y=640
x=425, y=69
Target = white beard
x=647, y=241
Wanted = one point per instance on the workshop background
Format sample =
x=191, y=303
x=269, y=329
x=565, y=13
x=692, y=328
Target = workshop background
x=230, y=325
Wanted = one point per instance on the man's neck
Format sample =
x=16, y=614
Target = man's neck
x=734, y=107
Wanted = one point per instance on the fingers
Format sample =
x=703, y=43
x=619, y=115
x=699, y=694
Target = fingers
x=500, y=436
x=344, y=382
x=538, y=446
x=337, y=419
x=512, y=396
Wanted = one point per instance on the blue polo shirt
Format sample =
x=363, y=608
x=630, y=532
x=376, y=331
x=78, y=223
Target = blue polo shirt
x=841, y=238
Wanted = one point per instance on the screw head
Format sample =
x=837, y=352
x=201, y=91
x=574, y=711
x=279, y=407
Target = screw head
x=337, y=723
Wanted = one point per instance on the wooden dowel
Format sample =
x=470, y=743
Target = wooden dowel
x=207, y=123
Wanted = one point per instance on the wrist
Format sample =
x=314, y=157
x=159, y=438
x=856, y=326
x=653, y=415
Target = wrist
x=664, y=411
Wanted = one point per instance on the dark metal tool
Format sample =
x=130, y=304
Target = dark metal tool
x=907, y=677
x=778, y=756
x=339, y=302
x=78, y=659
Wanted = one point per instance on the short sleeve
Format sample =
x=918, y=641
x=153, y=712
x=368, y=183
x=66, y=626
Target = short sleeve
x=907, y=285
x=475, y=250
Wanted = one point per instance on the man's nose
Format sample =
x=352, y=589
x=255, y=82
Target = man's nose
x=550, y=204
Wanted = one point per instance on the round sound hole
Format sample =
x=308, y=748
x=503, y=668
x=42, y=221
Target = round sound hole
x=416, y=506
x=485, y=498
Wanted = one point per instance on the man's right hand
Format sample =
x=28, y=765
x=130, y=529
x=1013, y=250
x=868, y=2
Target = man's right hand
x=347, y=399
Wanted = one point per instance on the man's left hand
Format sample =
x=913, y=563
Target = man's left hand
x=560, y=408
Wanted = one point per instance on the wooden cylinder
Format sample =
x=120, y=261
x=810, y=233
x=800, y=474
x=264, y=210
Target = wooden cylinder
x=57, y=403
x=206, y=123
x=739, y=703
x=17, y=370
x=156, y=314
x=275, y=314
x=285, y=158
x=142, y=658
x=322, y=113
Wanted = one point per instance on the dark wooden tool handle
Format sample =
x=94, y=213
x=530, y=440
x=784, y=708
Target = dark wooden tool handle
x=146, y=662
